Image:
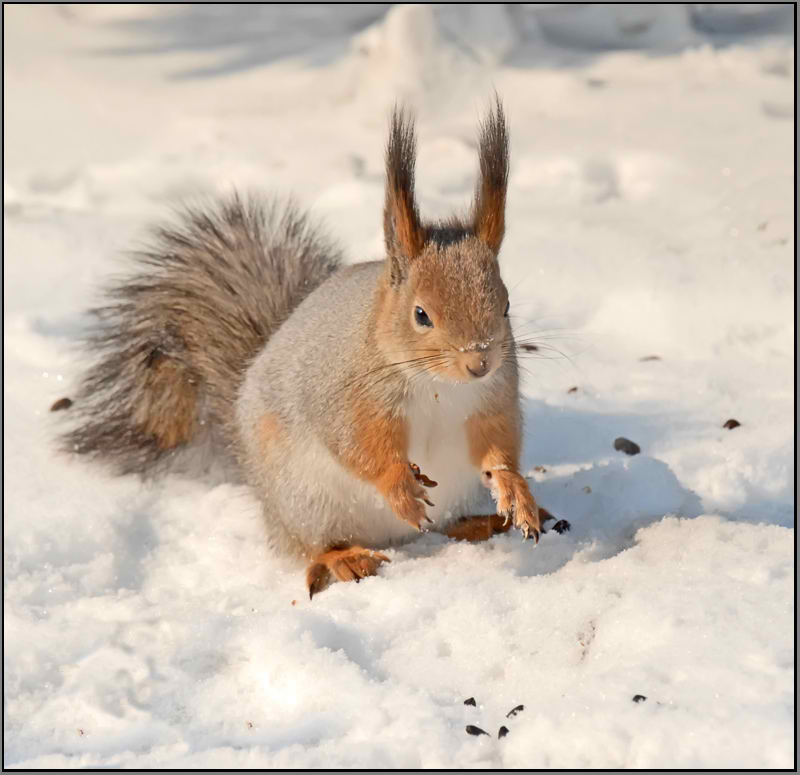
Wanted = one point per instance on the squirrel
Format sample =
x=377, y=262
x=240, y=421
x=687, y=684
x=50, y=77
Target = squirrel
x=338, y=388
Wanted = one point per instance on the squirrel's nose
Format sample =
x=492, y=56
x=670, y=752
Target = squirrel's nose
x=479, y=366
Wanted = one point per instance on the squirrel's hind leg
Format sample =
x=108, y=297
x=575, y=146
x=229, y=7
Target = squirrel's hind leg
x=483, y=527
x=480, y=528
x=342, y=563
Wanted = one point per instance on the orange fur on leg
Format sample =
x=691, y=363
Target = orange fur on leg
x=271, y=434
x=480, y=528
x=352, y=563
x=494, y=444
x=380, y=456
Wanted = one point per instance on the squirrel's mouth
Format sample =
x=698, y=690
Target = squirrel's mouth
x=474, y=366
x=465, y=365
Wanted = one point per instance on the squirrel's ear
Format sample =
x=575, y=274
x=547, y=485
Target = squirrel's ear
x=402, y=228
x=489, y=208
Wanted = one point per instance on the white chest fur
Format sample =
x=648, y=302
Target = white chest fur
x=436, y=417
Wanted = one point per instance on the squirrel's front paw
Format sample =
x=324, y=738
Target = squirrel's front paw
x=514, y=500
x=408, y=497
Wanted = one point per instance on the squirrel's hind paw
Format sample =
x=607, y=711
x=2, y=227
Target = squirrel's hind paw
x=350, y=564
x=318, y=577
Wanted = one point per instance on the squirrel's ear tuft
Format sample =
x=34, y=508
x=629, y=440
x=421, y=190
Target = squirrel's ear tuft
x=402, y=228
x=489, y=208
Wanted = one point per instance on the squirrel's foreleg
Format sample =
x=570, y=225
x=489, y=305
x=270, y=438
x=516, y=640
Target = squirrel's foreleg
x=378, y=454
x=494, y=445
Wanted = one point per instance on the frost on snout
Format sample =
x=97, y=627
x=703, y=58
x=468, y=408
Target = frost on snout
x=479, y=358
x=477, y=346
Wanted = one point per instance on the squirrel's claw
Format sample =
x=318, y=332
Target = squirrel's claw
x=507, y=514
x=408, y=498
x=420, y=477
x=514, y=501
x=423, y=528
x=530, y=532
x=318, y=577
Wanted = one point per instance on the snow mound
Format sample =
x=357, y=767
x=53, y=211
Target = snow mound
x=187, y=641
x=419, y=51
x=617, y=26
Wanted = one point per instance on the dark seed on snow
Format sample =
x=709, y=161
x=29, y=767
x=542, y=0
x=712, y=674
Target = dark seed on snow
x=639, y=698
x=627, y=446
x=470, y=701
x=650, y=358
x=572, y=390
x=731, y=424
x=475, y=730
x=502, y=732
x=62, y=403
x=514, y=711
x=531, y=348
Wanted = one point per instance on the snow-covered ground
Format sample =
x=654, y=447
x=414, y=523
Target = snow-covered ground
x=650, y=214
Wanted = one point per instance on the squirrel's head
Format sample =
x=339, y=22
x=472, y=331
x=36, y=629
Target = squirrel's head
x=445, y=305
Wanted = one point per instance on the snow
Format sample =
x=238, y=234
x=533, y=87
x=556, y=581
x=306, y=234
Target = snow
x=650, y=214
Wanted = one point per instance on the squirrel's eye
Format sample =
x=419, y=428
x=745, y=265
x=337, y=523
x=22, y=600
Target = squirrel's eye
x=422, y=318
x=508, y=307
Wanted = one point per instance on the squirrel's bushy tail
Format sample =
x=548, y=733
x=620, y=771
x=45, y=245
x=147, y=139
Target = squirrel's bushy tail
x=174, y=339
